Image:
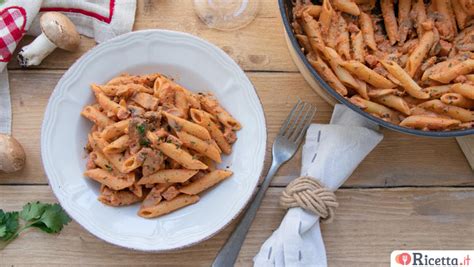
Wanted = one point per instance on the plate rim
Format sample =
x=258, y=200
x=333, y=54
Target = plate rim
x=56, y=95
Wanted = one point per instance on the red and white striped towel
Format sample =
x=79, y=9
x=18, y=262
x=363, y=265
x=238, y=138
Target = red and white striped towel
x=99, y=19
x=12, y=25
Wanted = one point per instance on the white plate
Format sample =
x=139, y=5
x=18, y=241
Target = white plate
x=194, y=63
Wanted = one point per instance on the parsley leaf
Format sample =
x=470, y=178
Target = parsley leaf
x=53, y=219
x=50, y=218
x=8, y=225
x=144, y=142
x=141, y=129
x=33, y=211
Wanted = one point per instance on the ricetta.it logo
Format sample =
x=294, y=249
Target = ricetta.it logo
x=403, y=258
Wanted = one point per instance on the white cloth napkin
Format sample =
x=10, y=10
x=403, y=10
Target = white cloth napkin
x=5, y=104
x=330, y=154
x=99, y=19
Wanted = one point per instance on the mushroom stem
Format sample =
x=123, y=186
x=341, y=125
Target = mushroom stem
x=35, y=52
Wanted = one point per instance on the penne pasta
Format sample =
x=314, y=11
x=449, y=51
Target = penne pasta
x=464, y=115
x=445, y=23
x=144, y=146
x=146, y=80
x=168, y=176
x=325, y=17
x=367, y=29
x=313, y=10
x=394, y=102
x=343, y=42
x=117, y=198
x=210, y=104
x=420, y=53
x=419, y=16
x=327, y=74
x=109, y=106
x=335, y=62
x=404, y=21
x=312, y=30
x=146, y=101
x=446, y=76
x=181, y=156
x=461, y=16
x=457, y=100
x=389, y=20
x=466, y=90
x=205, y=182
x=123, y=90
x=444, y=65
x=117, y=146
x=154, y=196
x=187, y=126
x=420, y=111
x=181, y=103
x=347, y=6
x=333, y=32
x=202, y=118
x=97, y=117
x=165, y=207
x=389, y=71
x=304, y=42
x=429, y=122
x=364, y=73
x=115, y=130
x=407, y=82
x=101, y=161
x=358, y=46
x=170, y=193
x=204, y=147
x=438, y=90
x=110, y=179
x=374, y=108
x=374, y=93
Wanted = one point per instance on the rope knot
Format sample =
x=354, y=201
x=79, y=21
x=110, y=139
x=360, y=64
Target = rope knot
x=307, y=193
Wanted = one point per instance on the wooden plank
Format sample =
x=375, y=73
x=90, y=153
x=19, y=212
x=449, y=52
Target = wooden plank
x=399, y=160
x=249, y=46
x=369, y=225
x=466, y=143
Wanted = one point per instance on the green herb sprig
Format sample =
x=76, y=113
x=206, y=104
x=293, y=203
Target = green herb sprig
x=49, y=218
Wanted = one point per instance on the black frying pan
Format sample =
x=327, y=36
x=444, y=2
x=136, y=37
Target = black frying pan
x=286, y=7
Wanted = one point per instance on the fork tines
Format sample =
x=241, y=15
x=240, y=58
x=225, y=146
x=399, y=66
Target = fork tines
x=298, y=121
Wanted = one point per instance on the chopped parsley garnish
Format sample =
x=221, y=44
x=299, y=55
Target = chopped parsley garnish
x=144, y=142
x=109, y=168
x=141, y=129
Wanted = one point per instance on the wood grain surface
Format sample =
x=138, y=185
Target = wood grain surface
x=259, y=46
x=409, y=193
x=369, y=225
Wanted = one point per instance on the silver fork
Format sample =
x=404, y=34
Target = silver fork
x=284, y=148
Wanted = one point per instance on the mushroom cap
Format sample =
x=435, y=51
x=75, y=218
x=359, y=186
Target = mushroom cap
x=12, y=155
x=60, y=30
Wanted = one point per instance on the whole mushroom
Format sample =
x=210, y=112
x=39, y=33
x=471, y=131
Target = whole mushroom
x=12, y=155
x=57, y=31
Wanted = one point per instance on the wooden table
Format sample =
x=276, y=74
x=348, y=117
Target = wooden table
x=409, y=193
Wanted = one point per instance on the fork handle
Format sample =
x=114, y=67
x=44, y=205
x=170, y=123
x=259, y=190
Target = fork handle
x=230, y=251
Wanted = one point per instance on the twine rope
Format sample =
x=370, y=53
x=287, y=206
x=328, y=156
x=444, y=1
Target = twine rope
x=309, y=194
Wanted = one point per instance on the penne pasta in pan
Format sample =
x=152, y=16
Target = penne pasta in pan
x=401, y=61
